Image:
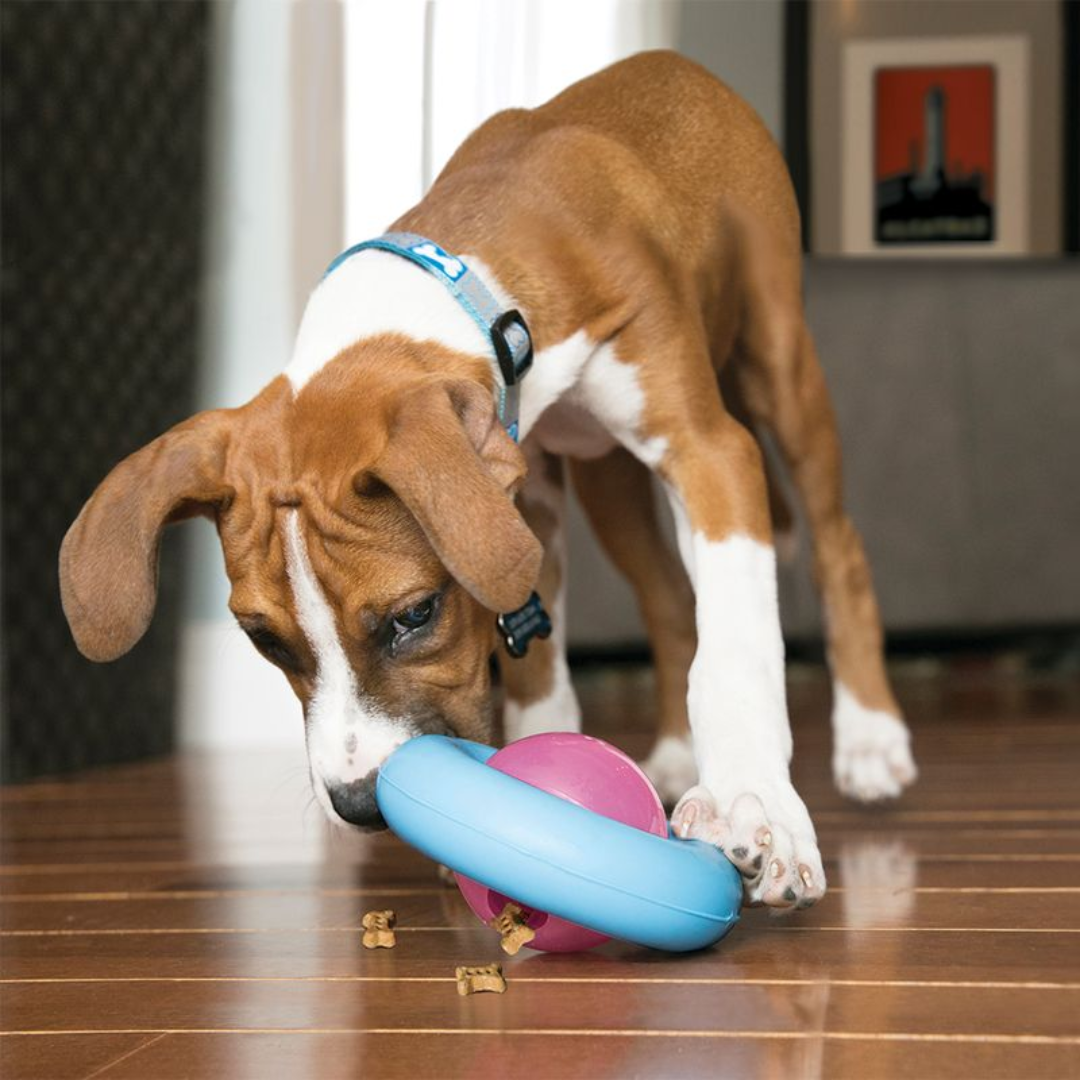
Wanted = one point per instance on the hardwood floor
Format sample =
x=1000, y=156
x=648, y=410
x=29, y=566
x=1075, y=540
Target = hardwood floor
x=195, y=917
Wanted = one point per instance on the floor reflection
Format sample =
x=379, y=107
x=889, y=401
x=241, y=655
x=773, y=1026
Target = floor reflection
x=878, y=876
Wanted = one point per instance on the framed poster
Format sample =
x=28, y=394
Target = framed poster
x=934, y=147
x=929, y=129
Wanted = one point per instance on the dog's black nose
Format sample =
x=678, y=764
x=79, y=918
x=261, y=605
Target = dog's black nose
x=355, y=802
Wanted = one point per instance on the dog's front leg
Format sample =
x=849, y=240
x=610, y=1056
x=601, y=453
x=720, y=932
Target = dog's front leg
x=745, y=802
x=539, y=693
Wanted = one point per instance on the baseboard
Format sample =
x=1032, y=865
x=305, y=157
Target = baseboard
x=1035, y=641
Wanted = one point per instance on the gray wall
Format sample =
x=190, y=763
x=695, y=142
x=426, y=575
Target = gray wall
x=957, y=391
x=740, y=41
x=958, y=395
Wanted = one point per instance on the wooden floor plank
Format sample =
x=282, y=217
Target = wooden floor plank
x=746, y=953
x=344, y=1056
x=60, y=857
x=1039, y=912
x=987, y=875
x=997, y=786
x=70, y=1057
x=547, y=1005
x=877, y=860
x=244, y=827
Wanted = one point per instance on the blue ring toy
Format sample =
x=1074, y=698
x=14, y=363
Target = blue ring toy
x=438, y=795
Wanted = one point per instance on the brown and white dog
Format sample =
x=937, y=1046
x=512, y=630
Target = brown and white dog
x=374, y=513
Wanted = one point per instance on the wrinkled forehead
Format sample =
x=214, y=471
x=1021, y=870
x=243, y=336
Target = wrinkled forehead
x=367, y=558
x=374, y=560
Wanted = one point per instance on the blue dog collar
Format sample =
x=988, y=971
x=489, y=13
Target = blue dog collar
x=506, y=330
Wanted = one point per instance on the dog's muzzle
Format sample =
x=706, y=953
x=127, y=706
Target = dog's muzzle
x=355, y=801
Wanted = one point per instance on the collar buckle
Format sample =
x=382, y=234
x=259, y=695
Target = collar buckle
x=512, y=342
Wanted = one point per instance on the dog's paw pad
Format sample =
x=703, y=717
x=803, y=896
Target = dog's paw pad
x=789, y=883
x=780, y=868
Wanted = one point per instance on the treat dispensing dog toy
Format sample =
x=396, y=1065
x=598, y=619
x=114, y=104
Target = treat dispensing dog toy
x=566, y=827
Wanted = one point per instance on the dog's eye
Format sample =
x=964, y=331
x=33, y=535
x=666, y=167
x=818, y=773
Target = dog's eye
x=412, y=618
x=273, y=648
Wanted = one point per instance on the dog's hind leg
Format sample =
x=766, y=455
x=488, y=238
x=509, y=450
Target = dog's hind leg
x=616, y=494
x=539, y=693
x=871, y=744
x=785, y=390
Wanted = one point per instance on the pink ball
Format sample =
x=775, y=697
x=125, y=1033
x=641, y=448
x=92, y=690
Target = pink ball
x=586, y=771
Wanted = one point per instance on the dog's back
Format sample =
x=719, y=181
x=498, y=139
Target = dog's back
x=654, y=138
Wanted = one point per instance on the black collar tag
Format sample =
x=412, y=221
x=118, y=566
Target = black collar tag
x=519, y=627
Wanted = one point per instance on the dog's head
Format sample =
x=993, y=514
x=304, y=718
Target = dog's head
x=369, y=532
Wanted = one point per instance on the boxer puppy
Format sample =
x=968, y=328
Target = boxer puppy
x=376, y=513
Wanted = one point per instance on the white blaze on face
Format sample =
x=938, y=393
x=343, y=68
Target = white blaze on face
x=347, y=736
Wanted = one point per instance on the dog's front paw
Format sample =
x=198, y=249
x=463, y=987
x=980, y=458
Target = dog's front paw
x=767, y=835
x=871, y=751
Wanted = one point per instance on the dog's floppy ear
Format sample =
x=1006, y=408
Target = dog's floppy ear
x=451, y=463
x=109, y=558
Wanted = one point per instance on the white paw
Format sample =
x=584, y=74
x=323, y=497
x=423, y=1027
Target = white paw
x=871, y=751
x=766, y=834
x=671, y=768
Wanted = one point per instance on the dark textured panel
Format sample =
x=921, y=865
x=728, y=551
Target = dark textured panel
x=103, y=118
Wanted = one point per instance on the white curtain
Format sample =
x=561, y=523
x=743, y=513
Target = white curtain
x=422, y=75
x=275, y=219
x=523, y=52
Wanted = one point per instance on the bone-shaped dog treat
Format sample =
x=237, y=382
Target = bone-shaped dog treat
x=476, y=980
x=379, y=929
x=513, y=927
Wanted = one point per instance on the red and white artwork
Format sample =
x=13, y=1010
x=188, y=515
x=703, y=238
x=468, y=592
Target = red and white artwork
x=934, y=166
